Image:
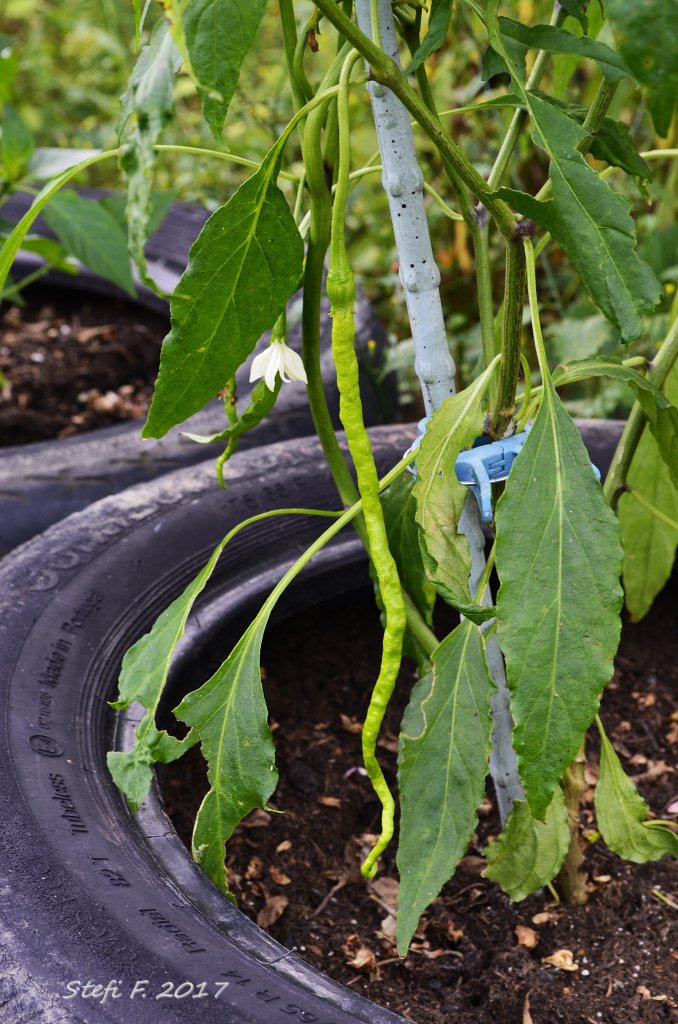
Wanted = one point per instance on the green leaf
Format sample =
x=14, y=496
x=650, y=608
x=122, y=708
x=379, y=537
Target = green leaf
x=399, y=506
x=443, y=762
x=591, y=222
x=219, y=34
x=557, y=40
x=51, y=252
x=440, y=497
x=663, y=419
x=143, y=676
x=648, y=41
x=47, y=162
x=559, y=561
x=622, y=813
x=649, y=542
x=242, y=269
x=577, y=9
x=529, y=852
x=16, y=145
x=438, y=26
x=150, y=98
x=613, y=144
x=139, y=18
x=229, y=713
x=92, y=235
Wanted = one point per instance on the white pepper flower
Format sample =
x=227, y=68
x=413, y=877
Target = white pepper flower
x=278, y=358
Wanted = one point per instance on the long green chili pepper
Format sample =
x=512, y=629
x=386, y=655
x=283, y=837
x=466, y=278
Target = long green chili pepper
x=341, y=292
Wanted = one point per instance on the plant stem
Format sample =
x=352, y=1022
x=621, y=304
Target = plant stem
x=520, y=116
x=501, y=416
x=387, y=73
x=621, y=461
x=572, y=879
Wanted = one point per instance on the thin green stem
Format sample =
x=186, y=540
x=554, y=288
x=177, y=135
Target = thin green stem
x=219, y=155
x=301, y=90
x=387, y=73
x=29, y=279
x=534, y=309
x=520, y=116
x=636, y=423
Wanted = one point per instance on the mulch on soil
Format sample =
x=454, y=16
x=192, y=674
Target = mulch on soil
x=74, y=363
x=476, y=959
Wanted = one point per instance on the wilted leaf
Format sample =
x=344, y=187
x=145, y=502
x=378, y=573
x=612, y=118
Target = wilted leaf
x=271, y=911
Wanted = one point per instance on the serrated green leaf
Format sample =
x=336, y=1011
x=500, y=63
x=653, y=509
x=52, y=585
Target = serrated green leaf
x=621, y=813
x=143, y=676
x=16, y=145
x=440, y=497
x=92, y=235
x=649, y=542
x=150, y=98
x=229, y=713
x=558, y=606
x=241, y=271
x=219, y=34
x=436, y=34
x=591, y=222
x=648, y=41
x=558, y=40
x=529, y=852
x=443, y=762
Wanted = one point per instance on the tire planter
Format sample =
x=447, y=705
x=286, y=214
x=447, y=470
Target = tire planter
x=43, y=482
x=93, y=893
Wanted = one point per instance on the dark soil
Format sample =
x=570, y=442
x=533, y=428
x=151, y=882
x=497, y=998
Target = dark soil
x=74, y=363
x=300, y=870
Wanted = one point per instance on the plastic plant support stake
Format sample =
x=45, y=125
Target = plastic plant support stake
x=403, y=183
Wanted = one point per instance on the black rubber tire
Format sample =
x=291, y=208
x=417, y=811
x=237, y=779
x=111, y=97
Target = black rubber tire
x=41, y=483
x=73, y=600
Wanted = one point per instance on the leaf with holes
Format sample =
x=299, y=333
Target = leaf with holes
x=529, y=852
x=443, y=762
x=150, y=101
x=242, y=269
x=559, y=561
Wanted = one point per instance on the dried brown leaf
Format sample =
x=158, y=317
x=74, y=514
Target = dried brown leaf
x=271, y=911
x=526, y=936
x=562, y=959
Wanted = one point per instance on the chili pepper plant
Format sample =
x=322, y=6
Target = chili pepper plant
x=510, y=693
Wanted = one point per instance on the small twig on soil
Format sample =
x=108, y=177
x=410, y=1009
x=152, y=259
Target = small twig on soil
x=664, y=899
x=333, y=891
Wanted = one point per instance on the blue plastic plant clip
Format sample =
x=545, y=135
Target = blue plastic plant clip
x=486, y=464
x=489, y=462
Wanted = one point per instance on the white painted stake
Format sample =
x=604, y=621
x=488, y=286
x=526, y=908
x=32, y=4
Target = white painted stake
x=403, y=184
